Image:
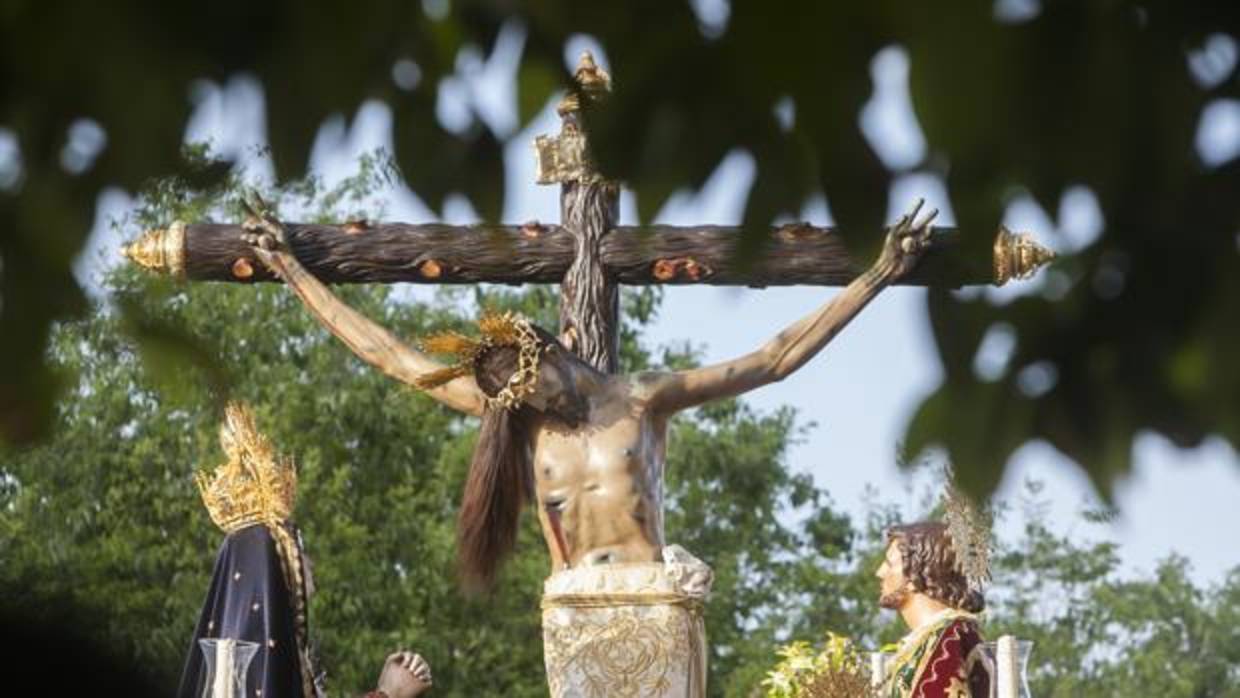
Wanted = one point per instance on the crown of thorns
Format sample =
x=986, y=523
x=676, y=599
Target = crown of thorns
x=496, y=330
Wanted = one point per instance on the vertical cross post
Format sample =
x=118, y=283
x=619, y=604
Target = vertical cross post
x=589, y=210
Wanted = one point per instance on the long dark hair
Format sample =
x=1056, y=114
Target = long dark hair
x=501, y=475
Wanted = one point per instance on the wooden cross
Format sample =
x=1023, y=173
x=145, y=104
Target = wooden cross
x=588, y=254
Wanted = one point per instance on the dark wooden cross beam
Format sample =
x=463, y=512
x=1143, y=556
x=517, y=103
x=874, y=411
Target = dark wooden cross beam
x=587, y=253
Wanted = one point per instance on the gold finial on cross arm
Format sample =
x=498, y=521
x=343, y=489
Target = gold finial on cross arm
x=161, y=250
x=1018, y=256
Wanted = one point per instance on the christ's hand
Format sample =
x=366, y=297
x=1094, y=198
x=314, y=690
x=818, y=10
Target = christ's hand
x=269, y=240
x=264, y=232
x=906, y=242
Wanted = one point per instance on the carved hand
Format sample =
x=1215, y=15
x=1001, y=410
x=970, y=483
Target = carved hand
x=906, y=242
x=263, y=231
x=405, y=675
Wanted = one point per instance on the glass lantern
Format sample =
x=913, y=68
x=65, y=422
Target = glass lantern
x=1010, y=659
x=228, y=663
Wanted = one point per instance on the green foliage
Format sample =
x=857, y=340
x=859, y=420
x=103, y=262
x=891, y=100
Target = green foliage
x=1096, y=635
x=838, y=670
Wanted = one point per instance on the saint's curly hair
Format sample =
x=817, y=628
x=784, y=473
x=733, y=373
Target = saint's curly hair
x=930, y=565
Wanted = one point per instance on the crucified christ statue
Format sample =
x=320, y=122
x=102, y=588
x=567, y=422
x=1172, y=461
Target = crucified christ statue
x=621, y=609
x=589, y=448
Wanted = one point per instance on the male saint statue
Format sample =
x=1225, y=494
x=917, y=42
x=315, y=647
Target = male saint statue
x=926, y=578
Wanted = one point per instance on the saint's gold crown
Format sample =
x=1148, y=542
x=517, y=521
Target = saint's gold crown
x=255, y=484
x=497, y=330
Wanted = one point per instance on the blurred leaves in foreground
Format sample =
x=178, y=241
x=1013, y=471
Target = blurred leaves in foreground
x=1017, y=100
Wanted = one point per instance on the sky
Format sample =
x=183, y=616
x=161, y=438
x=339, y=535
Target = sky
x=861, y=391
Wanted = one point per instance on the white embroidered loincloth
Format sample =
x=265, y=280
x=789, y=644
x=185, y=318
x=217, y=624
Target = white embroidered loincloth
x=627, y=629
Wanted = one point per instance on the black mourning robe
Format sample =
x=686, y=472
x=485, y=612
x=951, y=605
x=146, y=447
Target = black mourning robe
x=250, y=598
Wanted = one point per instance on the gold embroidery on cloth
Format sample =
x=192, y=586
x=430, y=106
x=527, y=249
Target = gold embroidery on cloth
x=624, y=630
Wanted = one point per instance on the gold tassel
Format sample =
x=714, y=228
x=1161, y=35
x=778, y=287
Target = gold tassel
x=451, y=343
x=434, y=379
x=497, y=330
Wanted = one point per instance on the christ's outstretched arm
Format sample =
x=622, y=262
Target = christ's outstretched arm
x=798, y=343
x=366, y=338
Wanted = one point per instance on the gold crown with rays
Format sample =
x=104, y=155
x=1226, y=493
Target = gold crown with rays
x=495, y=330
x=255, y=484
x=969, y=528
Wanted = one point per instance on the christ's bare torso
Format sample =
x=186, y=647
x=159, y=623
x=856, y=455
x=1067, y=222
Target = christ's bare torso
x=602, y=485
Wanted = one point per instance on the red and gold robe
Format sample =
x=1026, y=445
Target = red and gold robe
x=944, y=658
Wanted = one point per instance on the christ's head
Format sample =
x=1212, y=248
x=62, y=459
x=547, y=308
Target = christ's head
x=556, y=392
